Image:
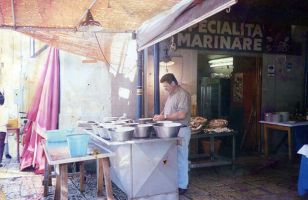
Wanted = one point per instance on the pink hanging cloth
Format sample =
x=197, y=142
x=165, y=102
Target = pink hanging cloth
x=43, y=114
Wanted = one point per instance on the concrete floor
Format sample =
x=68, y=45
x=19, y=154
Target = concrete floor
x=253, y=178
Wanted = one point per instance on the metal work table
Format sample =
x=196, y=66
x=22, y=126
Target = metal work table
x=144, y=168
x=133, y=141
x=57, y=154
x=213, y=159
x=283, y=126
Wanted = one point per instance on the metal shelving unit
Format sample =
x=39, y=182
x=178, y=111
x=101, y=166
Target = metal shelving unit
x=213, y=159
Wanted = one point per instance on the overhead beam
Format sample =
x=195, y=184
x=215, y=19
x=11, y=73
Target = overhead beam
x=13, y=13
x=56, y=29
x=41, y=50
x=36, y=28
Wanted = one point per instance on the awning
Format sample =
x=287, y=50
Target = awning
x=56, y=22
x=177, y=19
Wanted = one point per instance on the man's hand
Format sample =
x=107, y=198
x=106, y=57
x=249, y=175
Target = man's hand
x=158, y=118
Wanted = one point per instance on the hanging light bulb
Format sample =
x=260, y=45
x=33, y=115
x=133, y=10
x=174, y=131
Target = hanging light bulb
x=166, y=59
x=90, y=25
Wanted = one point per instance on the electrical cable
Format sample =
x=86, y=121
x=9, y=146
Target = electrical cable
x=101, y=50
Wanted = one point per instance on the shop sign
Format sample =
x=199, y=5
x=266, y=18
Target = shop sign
x=223, y=35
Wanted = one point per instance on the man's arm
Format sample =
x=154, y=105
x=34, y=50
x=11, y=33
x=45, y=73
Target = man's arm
x=176, y=116
x=173, y=116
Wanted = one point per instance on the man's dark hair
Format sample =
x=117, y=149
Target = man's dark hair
x=169, y=78
x=1, y=99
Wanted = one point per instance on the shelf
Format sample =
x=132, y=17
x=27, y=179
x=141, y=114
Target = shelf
x=212, y=160
x=220, y=161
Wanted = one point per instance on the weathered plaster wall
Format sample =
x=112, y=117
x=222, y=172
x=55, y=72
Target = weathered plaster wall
x=19, y=72
x=85, y=90
x=90, y=92
x=282, y=91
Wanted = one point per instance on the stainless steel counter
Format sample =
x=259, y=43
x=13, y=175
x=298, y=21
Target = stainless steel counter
x=144, y=168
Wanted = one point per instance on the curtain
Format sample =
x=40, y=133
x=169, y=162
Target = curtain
x=42, y=114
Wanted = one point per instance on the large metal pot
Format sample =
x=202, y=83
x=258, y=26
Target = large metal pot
x=143, y=130
x=121, y=134
x=167, y=130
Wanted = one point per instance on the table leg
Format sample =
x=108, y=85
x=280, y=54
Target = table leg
x=290, y=143
x=81, y=176
x=49, y=174
x=45, y=180
x=212, y=146
x=100, y=177
x=58, y=188
x=233, y=151
x=265, y=141
x=63, y=182
x=107, y=178
x=197, y=146
x=17, y=138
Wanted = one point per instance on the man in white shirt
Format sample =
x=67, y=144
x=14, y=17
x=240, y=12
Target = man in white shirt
x=178, y=109
x=3, y=123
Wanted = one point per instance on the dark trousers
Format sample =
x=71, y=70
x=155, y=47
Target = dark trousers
x=2, y=138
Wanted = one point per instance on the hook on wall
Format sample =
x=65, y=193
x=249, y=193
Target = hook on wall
x=228, y=10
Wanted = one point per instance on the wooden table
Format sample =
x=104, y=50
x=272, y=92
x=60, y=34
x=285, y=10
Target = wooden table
x=17, y=132
x=283, y=126
x=57, y=154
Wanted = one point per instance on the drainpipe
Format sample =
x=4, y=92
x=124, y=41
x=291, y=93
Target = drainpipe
x=156, y=79
x=306, y=73
x=140, y=64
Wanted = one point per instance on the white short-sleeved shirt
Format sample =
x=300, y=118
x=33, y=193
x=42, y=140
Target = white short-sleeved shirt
x=179, y=101
x=4, y=118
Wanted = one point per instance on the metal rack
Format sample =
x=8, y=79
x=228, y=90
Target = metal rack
x=213, y=159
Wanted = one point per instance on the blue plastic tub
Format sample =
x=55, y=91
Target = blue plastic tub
x=78, y=144
x=57, y=135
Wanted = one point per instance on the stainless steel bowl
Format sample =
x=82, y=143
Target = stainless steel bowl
x=103, y=132
x=167, y=130
x=121, y=134
x=145, y=120
x=143, y=130
x=126, y=120
x=108, y=119
x=130, y=124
